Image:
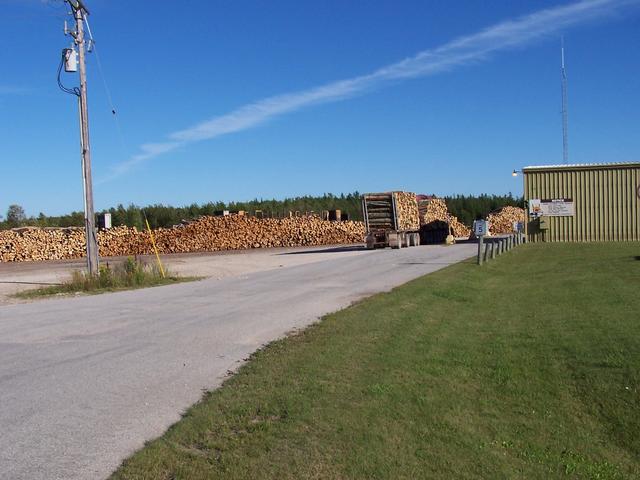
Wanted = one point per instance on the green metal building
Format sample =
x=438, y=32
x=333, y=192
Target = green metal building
x=583, y=203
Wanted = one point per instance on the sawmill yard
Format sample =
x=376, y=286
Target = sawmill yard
x=236, y=232
x=524, y=368
x=301, y=240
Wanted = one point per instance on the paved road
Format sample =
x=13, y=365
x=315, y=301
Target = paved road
x=85, y=381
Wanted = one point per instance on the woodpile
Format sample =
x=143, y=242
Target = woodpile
x=501, y=221
x=433, y=211
x=32, y=243
x=232, y=232
x=407, y=210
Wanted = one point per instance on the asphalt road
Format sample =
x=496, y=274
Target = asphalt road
x=85, y=381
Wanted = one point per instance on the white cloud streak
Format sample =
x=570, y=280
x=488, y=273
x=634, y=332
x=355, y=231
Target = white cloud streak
x=460, y=52
x=12, y=90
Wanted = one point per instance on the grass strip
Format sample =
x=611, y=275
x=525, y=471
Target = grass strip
x=527, y=367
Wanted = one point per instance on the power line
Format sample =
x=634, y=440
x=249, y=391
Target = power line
x=94, y=49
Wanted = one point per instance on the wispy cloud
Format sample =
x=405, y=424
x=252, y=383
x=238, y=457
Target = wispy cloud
x=12, y=90
x=460, y=52
x=147, y=151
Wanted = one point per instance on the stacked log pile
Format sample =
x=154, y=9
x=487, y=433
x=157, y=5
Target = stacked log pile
x=205, y=234
x=433, y=211
x=407, y=210
x=31, y=243
x=501, y=221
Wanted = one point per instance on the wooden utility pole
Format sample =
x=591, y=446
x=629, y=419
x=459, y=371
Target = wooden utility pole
x=79, y=11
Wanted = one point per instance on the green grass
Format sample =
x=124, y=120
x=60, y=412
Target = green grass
x=129, y=275
x=527, y=367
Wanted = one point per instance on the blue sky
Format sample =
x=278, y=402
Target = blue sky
x=238, y=100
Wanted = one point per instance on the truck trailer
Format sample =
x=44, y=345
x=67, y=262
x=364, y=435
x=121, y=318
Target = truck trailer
x=391, y=220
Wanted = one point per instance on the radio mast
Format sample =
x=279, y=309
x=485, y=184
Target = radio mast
x=565, y=139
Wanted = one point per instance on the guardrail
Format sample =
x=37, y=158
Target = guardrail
x=489, y=249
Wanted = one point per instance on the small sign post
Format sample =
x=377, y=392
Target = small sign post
x=480, y=228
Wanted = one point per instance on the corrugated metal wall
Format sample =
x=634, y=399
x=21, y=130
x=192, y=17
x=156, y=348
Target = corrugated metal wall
x=607, y=207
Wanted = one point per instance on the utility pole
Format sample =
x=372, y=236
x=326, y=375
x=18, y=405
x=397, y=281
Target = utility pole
x=79, y=11
x=565, y=134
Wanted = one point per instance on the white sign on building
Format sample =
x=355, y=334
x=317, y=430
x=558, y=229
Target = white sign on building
x=556, y=207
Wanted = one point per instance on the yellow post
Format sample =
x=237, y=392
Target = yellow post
x=155, y=249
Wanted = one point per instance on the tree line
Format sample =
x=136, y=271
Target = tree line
x=474, y=207
x=466, y=207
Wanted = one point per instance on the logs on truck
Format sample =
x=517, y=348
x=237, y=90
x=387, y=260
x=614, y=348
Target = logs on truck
x=434, y=216
x=407, y=210
x=391, y=219
x=233, y=232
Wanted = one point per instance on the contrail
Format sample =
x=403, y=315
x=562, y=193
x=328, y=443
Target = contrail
x=463, y=51
x=12, y=90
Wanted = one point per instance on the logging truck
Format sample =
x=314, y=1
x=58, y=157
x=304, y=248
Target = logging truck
x=391, y=220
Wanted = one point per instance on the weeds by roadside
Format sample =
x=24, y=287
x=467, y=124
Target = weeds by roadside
x=131, y=274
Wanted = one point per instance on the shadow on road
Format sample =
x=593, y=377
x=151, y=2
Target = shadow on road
x=425, y=263
x=353, y=248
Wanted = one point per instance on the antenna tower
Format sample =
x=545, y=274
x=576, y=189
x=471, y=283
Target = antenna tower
x=565, y=139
